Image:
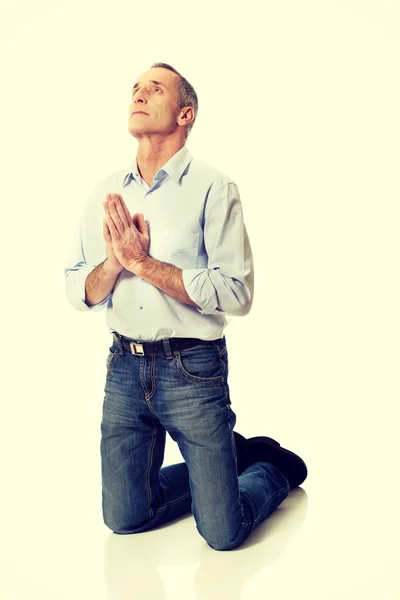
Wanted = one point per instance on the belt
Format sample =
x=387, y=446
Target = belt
x=158, y=347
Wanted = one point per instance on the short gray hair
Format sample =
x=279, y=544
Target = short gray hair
x=186, y=94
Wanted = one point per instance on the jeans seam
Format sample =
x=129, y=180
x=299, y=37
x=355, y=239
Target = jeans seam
x=173, y=501
x=270, y=500
x=111, y=362
x=220, y=352
x=143, y=382
x=150, y=463
x=152, y=377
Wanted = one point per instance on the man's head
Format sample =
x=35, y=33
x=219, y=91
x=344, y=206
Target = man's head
x=167, y=98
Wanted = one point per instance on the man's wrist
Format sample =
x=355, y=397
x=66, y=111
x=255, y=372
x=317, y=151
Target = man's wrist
x=141, y=267
x=109, y=270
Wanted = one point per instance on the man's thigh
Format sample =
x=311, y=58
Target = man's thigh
x=132, y=445
x=199, y=417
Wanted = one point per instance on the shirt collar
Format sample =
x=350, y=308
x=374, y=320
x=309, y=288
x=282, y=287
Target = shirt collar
x=174, y=167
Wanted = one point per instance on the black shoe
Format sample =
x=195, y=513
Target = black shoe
x=266, y=449
x=240, y=452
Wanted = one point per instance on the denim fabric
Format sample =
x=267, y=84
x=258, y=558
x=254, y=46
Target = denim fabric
x=186, y=393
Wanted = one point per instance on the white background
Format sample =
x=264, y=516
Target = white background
x=299, y=104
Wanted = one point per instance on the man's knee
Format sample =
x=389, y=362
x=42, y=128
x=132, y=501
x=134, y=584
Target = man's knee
x=125, y=523
x=227, y=546
x=221, y=541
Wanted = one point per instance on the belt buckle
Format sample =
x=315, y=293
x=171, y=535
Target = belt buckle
x=139, y=352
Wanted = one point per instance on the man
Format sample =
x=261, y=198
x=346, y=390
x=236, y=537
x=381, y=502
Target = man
x=164, y=248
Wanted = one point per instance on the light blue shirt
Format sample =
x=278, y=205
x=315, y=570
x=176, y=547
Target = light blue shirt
x=195, y=223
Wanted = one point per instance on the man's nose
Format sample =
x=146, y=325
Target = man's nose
x=140, y=96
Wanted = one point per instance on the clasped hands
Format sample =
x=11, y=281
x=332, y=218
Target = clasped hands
x=127, y=237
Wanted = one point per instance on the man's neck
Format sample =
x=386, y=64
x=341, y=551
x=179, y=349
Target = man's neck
x=152, y=156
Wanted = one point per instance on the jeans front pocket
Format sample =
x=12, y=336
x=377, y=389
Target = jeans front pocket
x=201, y=365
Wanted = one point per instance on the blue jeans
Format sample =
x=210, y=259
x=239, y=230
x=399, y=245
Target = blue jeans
x=186, y=393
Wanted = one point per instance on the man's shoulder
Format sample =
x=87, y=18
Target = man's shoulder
x=112, y=182
x=216, y=177
x=116, y=177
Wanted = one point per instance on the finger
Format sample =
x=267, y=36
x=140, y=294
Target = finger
x=125, y=208
x=122, y=210
x=108, y=198
x=135, y=220
x=111, y=214
x=106, y=203
x=140, y=223
x=115, y=214
x=114, y=198
x=106, y=232
x=110, y=222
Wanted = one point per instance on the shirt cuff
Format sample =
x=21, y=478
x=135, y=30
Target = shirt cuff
x=75, y=289
x=200, y=289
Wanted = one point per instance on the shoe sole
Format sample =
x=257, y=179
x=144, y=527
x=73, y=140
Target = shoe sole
x=292, y=466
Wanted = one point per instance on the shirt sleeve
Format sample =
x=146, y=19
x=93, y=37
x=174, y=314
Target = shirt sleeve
x=76, y=271
x=226, y=285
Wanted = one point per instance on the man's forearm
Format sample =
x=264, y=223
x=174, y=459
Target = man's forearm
x=99, y=283
x=166, y=277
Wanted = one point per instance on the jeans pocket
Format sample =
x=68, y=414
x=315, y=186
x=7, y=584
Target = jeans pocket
x=201, y=365
x=111, y=358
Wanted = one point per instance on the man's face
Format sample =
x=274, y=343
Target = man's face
x=158, y=100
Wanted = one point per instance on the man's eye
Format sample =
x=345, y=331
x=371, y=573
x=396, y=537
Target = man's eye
x=156, y=88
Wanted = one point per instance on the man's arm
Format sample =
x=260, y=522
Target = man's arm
x=100, y=283
x=166, y=277
x=82, y=275
x=226, y=285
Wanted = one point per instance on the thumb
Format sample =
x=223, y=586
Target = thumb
x=140, y=223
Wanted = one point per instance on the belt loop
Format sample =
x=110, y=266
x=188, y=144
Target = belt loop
x=167, y=348
x=117, y=339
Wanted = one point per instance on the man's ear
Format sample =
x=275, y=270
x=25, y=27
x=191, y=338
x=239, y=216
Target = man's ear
x=187, y=115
